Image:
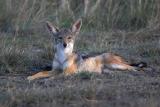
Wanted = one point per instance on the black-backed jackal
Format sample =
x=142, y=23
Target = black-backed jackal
x=68, y=62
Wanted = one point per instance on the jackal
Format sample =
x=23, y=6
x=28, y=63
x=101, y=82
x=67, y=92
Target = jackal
x=67, y=62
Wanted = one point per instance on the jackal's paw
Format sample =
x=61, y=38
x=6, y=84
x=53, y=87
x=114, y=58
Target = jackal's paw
x=30, y=78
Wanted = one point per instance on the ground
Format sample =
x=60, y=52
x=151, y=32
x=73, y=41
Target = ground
x=118, y=89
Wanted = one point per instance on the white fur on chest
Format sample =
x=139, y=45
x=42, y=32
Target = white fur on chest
x=60, y=58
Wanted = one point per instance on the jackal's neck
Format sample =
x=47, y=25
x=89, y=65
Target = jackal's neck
x=62, y=54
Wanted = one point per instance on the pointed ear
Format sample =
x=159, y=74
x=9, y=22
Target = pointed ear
x=77, y=26
x=52, y=28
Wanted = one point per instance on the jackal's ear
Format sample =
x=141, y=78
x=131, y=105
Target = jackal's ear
x=52, y=28
x=77, y=26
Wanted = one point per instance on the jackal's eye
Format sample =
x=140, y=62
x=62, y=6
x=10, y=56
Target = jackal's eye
x=69, y=37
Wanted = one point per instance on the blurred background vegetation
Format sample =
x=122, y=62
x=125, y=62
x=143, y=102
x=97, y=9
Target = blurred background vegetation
x=122, y=26
x=97, y=14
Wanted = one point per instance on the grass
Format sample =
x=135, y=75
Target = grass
x=129, y=28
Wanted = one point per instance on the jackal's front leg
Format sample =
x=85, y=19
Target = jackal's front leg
x=44, y=74
x=38, y=75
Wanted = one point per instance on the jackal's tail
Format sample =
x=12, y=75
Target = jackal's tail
x=139, y=65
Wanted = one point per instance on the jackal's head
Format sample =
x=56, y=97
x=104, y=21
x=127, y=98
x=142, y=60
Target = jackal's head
x=65, y=38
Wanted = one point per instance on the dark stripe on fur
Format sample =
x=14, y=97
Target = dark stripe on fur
x=140, y=64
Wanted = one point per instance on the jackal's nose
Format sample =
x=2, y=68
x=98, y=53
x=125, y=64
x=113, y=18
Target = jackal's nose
x=64, y=44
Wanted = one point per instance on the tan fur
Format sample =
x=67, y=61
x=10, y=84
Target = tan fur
x=93, y=64
x=71, y=63
x=73, y=66
x=39, y=75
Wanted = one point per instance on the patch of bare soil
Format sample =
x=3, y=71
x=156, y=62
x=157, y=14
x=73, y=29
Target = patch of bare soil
x=112, y=89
